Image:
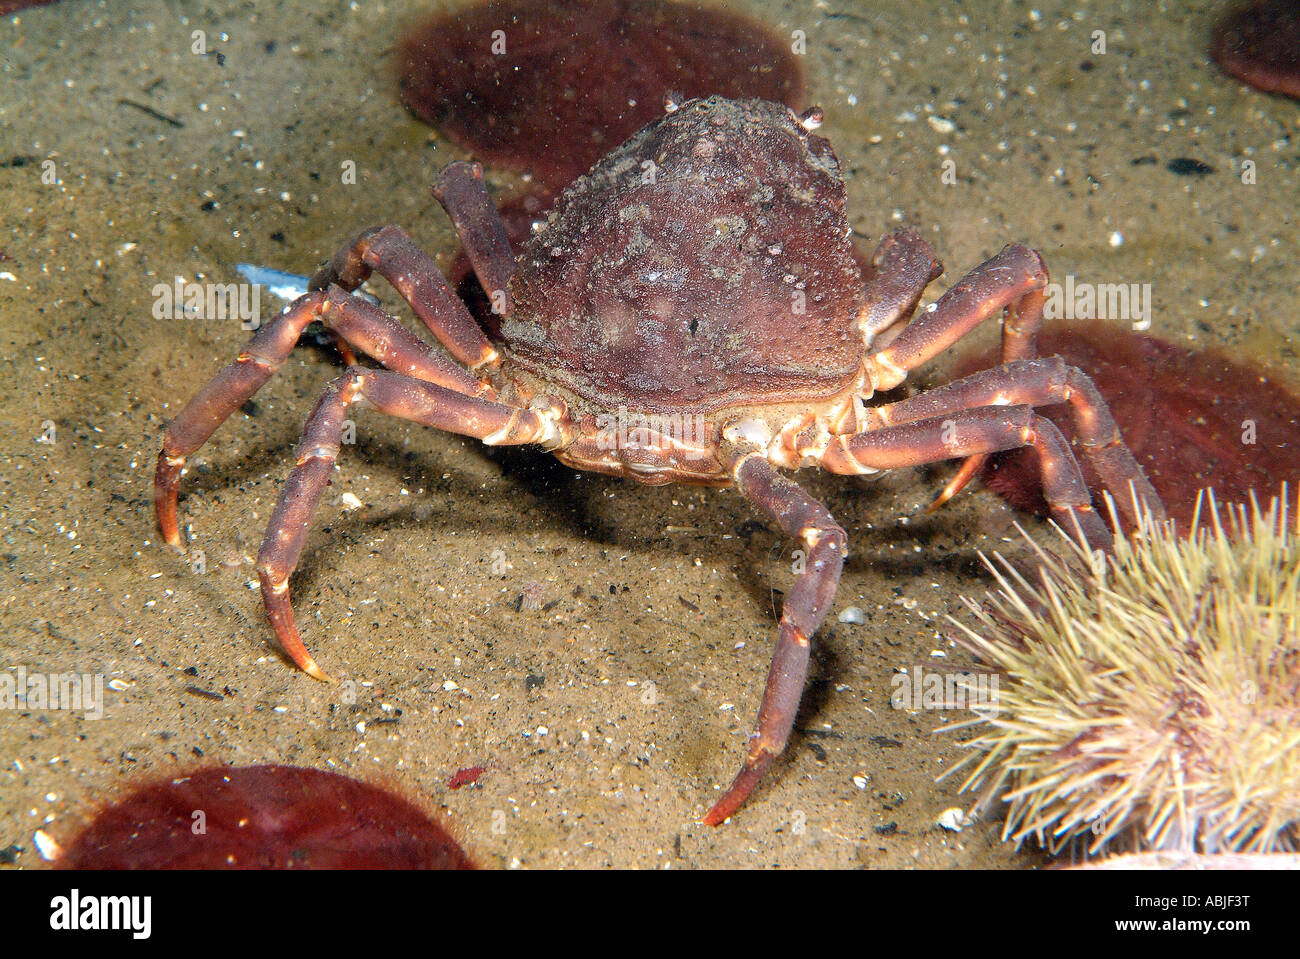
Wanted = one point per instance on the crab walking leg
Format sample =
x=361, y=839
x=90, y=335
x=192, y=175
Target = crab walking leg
x=989, y=429
x=797, y=514
x=425, y=403
x=904, y=265
x=1021, y=322
x=1040, y=382
x=462, y=194
x=390, y=252
x=353, y=320
x=1013, y=280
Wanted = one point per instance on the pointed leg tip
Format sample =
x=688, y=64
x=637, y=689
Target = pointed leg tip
x=736, y=794
x=947, y=493
x=169, y=529
x=971, y=466
x=315, y=672
x=727, y=804
x=714, y=818
x=167, y=476
x=937, y=502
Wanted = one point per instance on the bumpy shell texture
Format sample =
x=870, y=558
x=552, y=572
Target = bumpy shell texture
x=704, y=264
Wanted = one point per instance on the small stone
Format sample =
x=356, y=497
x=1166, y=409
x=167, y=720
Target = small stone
x=953, y=820
x=46, y=846
x=853, y=614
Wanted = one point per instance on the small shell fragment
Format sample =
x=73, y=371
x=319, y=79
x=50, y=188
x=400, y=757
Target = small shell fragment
x=853, y=614
x=953, y=819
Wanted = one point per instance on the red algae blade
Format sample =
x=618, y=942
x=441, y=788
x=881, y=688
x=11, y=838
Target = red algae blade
x=550, y=87
x=263, y=817
x=1259, y=44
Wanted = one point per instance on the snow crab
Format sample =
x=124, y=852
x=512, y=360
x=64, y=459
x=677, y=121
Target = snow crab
x=690, y=311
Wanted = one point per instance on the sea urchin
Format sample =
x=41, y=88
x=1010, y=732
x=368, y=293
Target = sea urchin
x=1153, y=694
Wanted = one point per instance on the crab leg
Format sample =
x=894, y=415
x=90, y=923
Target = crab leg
x=1021, y=321
x=1013, y=280
x=1019, y=342
x=904, y=265
x=969, y=432
x=462, y=194
x=1040, y=382
x=390, y=252
x=797, y=514
x=426, y=403
x=354, y=320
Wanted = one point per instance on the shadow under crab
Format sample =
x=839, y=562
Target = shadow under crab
x=691, y=312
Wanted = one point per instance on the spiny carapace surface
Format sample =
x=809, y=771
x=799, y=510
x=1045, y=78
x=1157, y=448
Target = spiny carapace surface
x=690, y=311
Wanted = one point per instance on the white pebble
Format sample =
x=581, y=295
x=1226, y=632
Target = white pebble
x=853, y=614
x=953, y=820
x=46, y=846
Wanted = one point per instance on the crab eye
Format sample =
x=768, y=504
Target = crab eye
x=811, y=119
